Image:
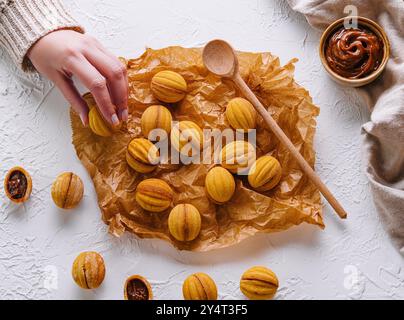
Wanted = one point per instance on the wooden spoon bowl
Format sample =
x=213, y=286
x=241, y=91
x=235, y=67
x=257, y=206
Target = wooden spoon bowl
x=220, y=59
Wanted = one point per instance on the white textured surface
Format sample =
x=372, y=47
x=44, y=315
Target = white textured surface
x=37, y=239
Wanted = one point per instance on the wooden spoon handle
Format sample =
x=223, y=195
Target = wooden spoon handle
x=246, y=91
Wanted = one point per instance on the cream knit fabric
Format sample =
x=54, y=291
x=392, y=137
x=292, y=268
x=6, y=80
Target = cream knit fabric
x=23, y=22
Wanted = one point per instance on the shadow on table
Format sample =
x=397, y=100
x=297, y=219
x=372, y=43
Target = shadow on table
x=252, y=248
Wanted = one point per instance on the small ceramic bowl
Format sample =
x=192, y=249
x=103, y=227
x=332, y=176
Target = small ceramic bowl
x=376, y=29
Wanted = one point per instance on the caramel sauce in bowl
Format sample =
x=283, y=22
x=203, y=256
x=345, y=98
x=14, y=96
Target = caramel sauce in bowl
x=357, y=56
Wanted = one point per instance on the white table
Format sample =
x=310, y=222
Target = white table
x=38, y=242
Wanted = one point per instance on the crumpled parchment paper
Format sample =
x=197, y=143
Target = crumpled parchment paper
x=293, y=201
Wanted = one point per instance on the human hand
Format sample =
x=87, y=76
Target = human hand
x=66, y=53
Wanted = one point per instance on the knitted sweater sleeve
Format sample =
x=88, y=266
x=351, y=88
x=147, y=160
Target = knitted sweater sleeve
x=24, y=22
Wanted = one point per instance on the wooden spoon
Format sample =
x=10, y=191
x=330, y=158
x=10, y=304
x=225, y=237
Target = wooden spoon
x=220, y=59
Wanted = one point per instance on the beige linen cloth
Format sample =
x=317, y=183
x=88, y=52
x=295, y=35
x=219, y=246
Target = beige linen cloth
x=383, y=135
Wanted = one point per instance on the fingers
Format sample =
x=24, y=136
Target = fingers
x=97, y=84
x=115, y=73
x=71, y=94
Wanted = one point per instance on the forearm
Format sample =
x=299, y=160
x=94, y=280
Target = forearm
x=24, y=22
x=26, y=32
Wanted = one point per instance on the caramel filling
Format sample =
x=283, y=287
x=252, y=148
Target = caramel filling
x=354, y=53
x=17, y=185
x=137, y=290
